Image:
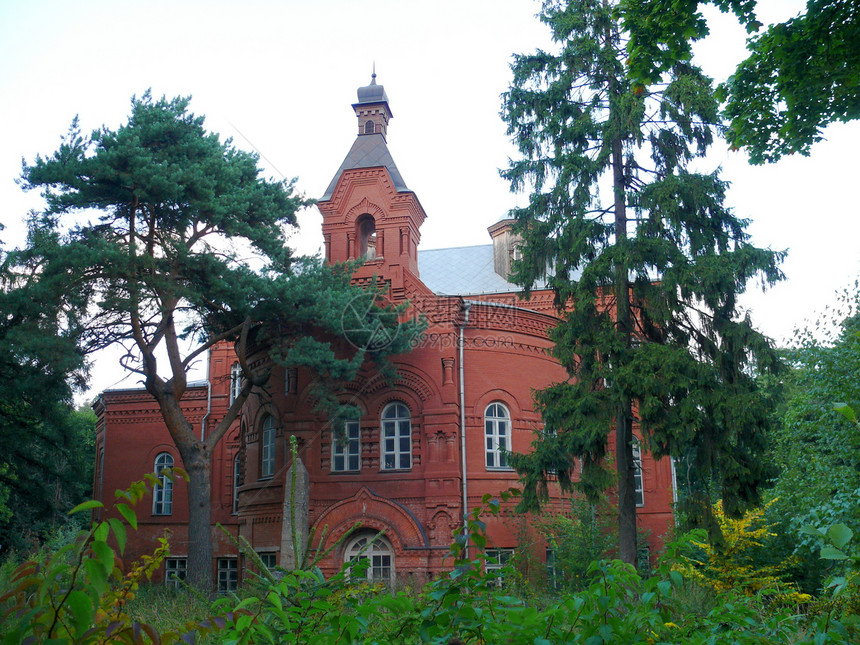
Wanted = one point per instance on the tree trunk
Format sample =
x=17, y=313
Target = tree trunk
x=627, y=549
x=198, y=463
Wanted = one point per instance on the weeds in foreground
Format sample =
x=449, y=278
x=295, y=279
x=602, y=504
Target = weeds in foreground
x=81, y=594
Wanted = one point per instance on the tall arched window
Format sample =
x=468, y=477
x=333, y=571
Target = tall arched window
x=237, y=481
x=368, y=127
x=637, y=473
x=497, y=435
x=379, y=554
x=396, y=437
x=235, y=382
x=366, y=229
x=162, y=492
x=267, y=448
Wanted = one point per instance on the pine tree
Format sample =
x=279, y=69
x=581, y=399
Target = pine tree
x=646, y=263
x=163, y=272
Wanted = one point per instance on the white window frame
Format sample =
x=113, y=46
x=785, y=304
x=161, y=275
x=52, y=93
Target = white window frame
x=175, y=570
x=235, y=382
x=378, y=551
x=497, y=436
x=267, y=448
x=237, y=478
x=638, y=483
x=228, y=574
x=497, y=559
x=553, y=575
x=346, y=453
x=396, y=437
x=162, y=492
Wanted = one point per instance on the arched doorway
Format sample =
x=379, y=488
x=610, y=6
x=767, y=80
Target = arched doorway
x=379, y=553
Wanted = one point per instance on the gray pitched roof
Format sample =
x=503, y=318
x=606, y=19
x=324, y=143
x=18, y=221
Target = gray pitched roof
x=368, y=151
x=463, y=271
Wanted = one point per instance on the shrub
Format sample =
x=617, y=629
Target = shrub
x=79, y=593
x=577, y=539
x=736, y=563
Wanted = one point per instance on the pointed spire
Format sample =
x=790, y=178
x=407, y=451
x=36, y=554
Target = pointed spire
x=373, y=75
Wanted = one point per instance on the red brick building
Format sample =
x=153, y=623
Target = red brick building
x=425, y=449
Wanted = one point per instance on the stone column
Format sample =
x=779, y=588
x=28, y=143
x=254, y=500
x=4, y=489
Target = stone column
x=296, y=509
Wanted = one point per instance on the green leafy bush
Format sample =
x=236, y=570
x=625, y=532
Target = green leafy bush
x=577, y=539
x=80, y=593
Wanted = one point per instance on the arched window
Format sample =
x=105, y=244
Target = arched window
x=396, y=437
x=497, y=435
x=162, y=492
x=366, y=228
x=379, y=555
x=267, y=448
x=237, y=481
x=637, y=473
x=346, y=448
x=368, y=127
x=235, y=382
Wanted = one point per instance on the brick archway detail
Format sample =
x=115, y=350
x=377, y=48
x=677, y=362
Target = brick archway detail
x=374, y=512
x=365, y=206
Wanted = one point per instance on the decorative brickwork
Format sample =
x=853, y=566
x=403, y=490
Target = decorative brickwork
x=504, y=357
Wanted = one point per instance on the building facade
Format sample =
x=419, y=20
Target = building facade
x=426, y=447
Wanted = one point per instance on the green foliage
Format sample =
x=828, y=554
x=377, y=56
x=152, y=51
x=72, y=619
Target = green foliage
x=647, y=265
x=817, y=443
x=662, y=32
x=578, y=538
x=736, y=564
x=79, y=593
x=300, y=606
x=817, y=446
x=800, y=75
x=46, y=467
x=45, y=456
x=842, y=605
x=166, y=240
x=170, y=610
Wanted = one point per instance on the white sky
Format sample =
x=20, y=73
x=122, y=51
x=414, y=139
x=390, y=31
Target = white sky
x=280, y=76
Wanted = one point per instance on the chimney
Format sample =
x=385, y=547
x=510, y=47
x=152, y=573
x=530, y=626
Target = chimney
x=505, y=244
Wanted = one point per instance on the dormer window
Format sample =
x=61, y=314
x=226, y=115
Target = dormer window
x=366, y=226
x=368, y=128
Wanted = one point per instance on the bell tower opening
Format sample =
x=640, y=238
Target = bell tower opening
x=368, y=211
x=365, y=229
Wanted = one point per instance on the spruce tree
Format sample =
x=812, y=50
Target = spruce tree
x=646, y=263
x=46, y=456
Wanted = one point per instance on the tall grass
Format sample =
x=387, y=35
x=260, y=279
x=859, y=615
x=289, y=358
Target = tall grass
x=169, y=608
